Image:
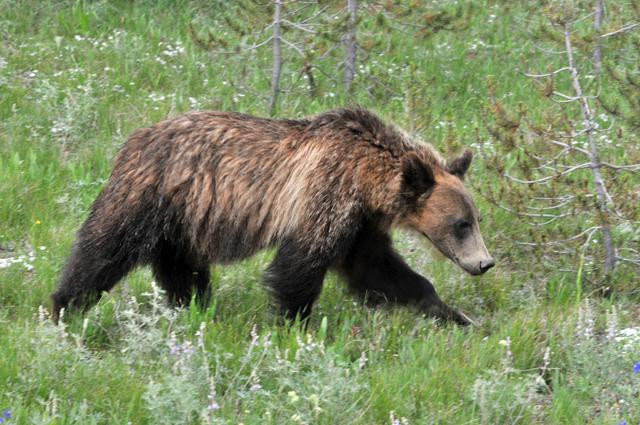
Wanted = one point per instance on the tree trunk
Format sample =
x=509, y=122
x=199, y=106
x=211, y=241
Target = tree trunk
x=277, y=57
x=596, y=166
x=597, y=24
x=350, y=61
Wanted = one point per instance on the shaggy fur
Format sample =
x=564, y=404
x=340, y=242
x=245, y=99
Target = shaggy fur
x=214, y=187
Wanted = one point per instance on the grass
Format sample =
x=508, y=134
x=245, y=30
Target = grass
x=77, y=77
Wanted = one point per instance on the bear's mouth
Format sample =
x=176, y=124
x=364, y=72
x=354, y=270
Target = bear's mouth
x=473, y=271
x=451, y=256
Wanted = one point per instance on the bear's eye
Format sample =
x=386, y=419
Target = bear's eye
x=463, y=225
x=462, y=228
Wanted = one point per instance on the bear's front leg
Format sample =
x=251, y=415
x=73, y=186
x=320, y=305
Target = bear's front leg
x=374, y=270
x=295, y=279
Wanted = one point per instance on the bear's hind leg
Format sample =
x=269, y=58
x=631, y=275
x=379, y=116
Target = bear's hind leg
x=375, y=271
x=295, y=280
x=179, y=275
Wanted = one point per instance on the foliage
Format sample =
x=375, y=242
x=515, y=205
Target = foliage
x=567, y=168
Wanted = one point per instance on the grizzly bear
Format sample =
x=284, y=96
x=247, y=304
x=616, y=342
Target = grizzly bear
x=214, y=187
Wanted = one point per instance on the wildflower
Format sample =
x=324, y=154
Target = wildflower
x=213, y=405
x=38, y=221
x=315, y=399
x=200, y=336
x=636, y=368
x=293, y=397
x=254, y=337
x=255, y=387
x=612, y=324
x=7, y=414
x=266, y=340
x=362, y=362
x=397, y=421
x=174, y=346
x=623, y=423
x=508, y=359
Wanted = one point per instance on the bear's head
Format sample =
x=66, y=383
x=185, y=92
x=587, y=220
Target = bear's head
x=439, y=206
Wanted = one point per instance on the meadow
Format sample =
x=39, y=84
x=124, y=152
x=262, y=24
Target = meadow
x=77, y=77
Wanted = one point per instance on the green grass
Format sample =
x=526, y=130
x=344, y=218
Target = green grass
x=77, y=77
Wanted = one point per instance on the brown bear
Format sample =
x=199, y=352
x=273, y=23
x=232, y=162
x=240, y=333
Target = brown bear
x=215, y=187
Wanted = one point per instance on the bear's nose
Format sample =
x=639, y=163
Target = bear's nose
x=486, y=265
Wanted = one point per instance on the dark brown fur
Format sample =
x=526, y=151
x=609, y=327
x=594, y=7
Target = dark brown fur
x=214, y=187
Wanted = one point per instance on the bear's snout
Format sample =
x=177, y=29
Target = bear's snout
x=486, y=265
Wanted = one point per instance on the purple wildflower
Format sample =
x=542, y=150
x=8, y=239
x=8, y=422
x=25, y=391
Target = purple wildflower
x=623, y=423
x=7, y=414
x=636, y=368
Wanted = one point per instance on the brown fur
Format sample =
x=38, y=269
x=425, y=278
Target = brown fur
x=215, y=187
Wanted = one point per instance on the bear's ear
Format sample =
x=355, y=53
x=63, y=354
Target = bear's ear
x=417, y=177
x=459, y=166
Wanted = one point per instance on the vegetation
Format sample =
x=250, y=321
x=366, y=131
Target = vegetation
x=558, y=339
